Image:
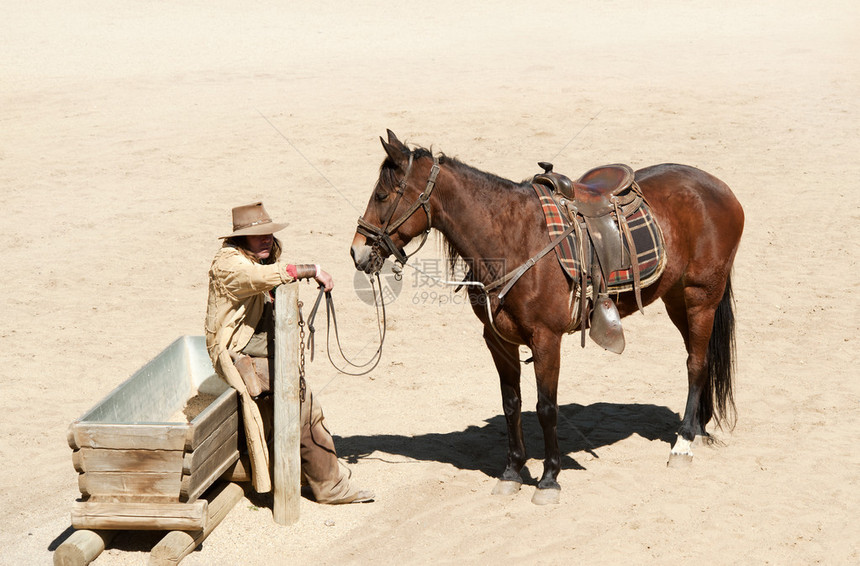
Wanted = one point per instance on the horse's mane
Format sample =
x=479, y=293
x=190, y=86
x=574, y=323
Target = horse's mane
x=476, y=176
x=484, y=185
x=452, y=256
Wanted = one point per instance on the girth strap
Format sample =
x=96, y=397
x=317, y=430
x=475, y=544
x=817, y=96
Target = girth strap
x=583, y=278
x=634, y=257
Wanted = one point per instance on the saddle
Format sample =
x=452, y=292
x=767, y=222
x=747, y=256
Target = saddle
x=597, y=205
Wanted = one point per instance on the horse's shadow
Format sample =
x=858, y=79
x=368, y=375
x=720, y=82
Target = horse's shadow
x=580, y=429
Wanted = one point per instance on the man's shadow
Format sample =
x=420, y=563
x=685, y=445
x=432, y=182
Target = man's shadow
x=483, y=448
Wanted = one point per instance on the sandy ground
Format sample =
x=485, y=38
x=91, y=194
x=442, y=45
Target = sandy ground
x=128, y=130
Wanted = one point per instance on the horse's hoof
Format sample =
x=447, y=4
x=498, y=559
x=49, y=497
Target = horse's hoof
x=682, y=453
x=679, y=460
x=506, y=487
x=547, y=496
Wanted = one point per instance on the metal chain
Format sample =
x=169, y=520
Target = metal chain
x=302, y=385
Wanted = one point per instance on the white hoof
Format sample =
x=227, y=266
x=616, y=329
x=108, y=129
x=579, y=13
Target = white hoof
x=546, y=496
x=679, y=460
x=506, y=487
x=681, y=454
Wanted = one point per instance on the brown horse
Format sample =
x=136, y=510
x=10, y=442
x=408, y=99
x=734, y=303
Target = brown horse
x=484, y=218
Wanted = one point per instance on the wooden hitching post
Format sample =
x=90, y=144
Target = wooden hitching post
x=287, y=423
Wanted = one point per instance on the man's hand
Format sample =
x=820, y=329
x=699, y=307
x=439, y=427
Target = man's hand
x=324, y=279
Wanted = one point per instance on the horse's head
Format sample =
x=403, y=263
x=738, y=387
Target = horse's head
x=406, y=181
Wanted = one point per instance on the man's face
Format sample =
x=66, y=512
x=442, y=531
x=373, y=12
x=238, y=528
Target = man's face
x=261, y=246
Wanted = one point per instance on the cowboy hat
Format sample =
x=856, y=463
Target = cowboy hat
x=253, y=220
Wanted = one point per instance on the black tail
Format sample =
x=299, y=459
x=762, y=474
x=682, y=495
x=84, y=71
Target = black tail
x=719, y=399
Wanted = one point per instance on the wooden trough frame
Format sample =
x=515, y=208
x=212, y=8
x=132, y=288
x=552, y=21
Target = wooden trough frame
x=140, y=469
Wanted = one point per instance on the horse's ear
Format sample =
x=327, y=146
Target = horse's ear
x=398, y=153
x=392, y=139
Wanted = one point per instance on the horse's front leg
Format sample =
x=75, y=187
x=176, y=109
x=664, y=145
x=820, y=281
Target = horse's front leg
x=546, y=349
x=507, y=360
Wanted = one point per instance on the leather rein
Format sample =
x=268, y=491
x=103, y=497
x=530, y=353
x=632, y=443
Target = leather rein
x=331, y=321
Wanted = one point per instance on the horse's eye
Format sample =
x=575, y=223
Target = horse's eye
x=380, y=196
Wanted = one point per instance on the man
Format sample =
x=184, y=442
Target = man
x=239, y=338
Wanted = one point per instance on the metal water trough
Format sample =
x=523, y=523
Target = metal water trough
x=141, y=467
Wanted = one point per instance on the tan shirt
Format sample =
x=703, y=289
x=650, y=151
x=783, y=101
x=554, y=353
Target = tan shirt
x=237, y=289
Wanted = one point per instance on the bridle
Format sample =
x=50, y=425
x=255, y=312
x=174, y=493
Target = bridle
x=380, y=236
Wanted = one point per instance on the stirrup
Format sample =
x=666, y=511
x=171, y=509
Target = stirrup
x=606, y=328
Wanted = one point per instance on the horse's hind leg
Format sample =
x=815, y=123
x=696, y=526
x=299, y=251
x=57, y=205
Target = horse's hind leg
x=692, y=311
x=507, y=360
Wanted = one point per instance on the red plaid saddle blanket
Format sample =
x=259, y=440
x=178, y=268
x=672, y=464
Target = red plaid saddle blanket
x=646, y=236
